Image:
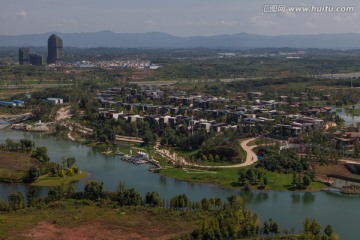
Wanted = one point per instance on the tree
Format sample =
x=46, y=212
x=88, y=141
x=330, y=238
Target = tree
x=60, y=192
x=30, y=196
x=179, y=202
x=149, y=137
x=306, y=181
x=242, y=176
x=40, y=153
x=70, y=162
x=265, y=181
x=328, y=230
x=26, y=144
x=250, y=175
x=94, y=190
x=205, y=204
x=274, y=227
x=266, y=228
x=16, y=201
x=33, y=173
x=130, y=197
x=153, y=199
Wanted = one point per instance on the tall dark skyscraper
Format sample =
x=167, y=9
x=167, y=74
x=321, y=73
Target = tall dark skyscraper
x=24, y=56
x=55, y=49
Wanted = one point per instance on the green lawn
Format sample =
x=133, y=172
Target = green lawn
x=356, y=112
x=50, y=181
x=228, y=177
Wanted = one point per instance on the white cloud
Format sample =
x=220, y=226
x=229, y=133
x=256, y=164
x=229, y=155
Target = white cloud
x=149, y=22
x=310, y=25
x=346, y=17
x=226, y=23
x=261, y=22
x=22, y=14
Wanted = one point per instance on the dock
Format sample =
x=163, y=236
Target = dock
x=141, y=158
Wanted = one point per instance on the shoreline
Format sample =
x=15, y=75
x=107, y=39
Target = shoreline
x=326, y=188
x=209, y=183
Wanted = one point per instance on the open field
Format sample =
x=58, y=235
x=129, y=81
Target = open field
x=66, y=220
x=15, y=160
x=228, y=177
x=50, y=181
x=14, y=166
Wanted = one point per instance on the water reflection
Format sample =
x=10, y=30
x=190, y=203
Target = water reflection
x=163, y=180
x=308, y=198
x=296, y=198
x=261, y=197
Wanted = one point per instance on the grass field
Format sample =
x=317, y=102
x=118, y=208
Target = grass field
x=14, y=166
x=71, y=220
x=50, y=181
x=355, y=112
x=228, y=177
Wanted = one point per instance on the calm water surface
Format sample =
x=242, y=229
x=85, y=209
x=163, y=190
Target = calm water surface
x=287, y=208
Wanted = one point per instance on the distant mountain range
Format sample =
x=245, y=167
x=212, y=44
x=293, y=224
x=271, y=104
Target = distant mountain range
x=163, y=40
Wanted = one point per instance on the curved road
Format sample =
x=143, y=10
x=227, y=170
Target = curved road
x=251, y=157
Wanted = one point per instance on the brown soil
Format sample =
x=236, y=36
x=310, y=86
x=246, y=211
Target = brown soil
x=338, y=169
x=99, y=230
x=15, y=161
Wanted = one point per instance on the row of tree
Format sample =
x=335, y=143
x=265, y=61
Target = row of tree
x=220, y=220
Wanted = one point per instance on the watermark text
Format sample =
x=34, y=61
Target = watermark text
x=281, y=8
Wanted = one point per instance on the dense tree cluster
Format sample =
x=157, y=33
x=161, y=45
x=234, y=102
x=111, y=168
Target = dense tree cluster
x=25, y=145
x=253, y=176
x=286, y=161
x=220, y=148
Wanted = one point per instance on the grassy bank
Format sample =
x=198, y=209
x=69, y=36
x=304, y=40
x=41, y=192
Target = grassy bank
x=355, y=112
x=228, y=177
x=50, y=181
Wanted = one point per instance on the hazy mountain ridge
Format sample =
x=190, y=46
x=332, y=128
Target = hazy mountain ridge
x=164, y=40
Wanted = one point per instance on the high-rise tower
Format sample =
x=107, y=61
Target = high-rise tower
x=55, y=49
x=24, y=57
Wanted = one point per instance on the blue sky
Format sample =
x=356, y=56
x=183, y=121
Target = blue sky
x=176, y=17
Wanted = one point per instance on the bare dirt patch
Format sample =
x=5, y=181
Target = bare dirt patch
x=63, y=113
x=338, y=169
x=98, y=230
x=15, y=161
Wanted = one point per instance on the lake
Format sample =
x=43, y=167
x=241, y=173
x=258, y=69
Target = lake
x=289, y=209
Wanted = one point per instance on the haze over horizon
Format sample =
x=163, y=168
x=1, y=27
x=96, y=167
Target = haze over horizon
x=185, y=18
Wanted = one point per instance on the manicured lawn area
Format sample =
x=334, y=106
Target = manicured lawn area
x=50, y=181
x=228, y=177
